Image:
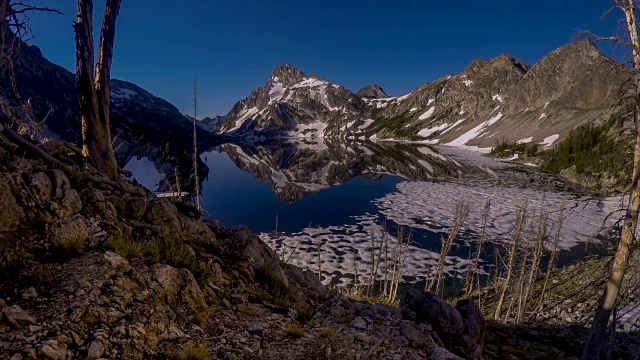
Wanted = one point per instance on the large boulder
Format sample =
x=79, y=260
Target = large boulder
x=444, y=318
x=469, y=344
x=177, y=287
x=71, y=204
x=429, y=308
x=135, y=207
x=161, y=212
x=17, y=317
x=97, y=204
x=11, y=211
x=41, y=187
x=59, y=183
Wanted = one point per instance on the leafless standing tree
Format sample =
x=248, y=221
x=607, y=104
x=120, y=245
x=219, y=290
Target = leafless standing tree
x=621, y=257
x=94, y=88
x=195, y=144
x=513, y=251
x=14, y=18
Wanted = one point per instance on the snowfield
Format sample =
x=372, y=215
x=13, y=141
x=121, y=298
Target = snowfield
x=549, y=140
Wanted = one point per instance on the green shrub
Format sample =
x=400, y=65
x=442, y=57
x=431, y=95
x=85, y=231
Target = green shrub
x=9, y=253
x=506, y=149
x=277, y=291
x=174, y=252
x=78, y=179
x=195, y=352
x=590, y=150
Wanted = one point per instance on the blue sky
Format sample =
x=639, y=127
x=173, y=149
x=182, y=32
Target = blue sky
x=233, y=45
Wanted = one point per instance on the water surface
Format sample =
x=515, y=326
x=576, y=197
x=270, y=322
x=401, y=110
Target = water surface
x=345, y=199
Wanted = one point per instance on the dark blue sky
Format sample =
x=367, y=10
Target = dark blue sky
x=233, y=45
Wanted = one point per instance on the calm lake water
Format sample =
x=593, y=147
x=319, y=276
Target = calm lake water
x=349, y=198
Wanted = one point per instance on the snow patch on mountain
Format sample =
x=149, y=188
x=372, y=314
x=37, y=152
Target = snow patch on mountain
x=366, y=124
x=427, y=113
x=427, y=132
x=312, y=130
x=474, y=133
x=122, y=93
x=549, y=140
x=453, y=126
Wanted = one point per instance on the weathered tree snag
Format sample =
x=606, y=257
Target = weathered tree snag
x=3, y=25
x=93, y=90
x=621, y=258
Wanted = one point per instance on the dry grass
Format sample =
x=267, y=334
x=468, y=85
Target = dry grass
x=72, y=240
x=327, y=332
x=195, y=352
x=294, y=331
x=125, y=247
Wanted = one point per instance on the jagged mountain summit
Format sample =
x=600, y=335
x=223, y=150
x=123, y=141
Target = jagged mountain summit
x=372, y=92
x=497, y=99
x=292, y=104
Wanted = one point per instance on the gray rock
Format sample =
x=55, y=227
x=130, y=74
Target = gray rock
x=136, y=207
x=41, y=187
x=96, y=349
x=359, y=323
x=17, y=317
x=439, y=353
x=176, y=286
x=52, y=350
x=112, y=259
x=11, y=211
x=71, y=204
x=59, y=183
x=255, y=328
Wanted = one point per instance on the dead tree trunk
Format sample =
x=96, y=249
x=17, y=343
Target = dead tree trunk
x=621, y=258
x=513, y=251
x=196, y=177
x=94, y=88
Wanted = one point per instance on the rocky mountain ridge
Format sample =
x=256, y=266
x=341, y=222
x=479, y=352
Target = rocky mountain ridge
x=497, y=99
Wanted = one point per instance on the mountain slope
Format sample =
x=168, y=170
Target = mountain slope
x=496, y=99
x=51, y=89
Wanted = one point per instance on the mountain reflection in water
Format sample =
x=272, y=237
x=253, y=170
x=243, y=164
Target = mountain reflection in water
x=346, y=196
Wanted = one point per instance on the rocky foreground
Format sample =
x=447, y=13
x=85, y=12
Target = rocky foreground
x=94, y=269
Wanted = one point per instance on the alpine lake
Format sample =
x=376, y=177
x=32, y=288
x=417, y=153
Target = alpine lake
x=333, y=206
